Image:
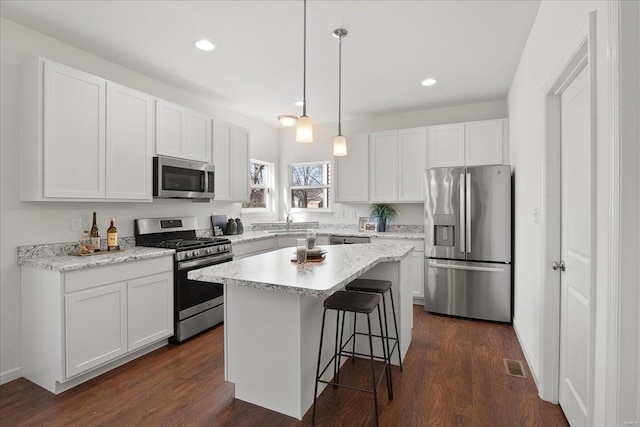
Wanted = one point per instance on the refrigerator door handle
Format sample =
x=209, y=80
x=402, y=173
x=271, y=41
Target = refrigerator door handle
x=462, y=233
x=466, y=267
x=468, y=214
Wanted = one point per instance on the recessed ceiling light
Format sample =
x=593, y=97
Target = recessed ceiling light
x=299, y=103
x=428, y=82
x=205, y=45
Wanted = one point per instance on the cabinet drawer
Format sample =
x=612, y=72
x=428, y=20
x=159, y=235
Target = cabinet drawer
x=256, y=246
x=92, y=277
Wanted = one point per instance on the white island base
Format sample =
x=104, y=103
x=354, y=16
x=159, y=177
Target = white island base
x=272, y=336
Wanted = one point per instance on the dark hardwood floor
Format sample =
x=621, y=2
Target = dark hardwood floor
x=453, y=376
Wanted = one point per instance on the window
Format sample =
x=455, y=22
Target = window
x=310, y=185
x=260, y=184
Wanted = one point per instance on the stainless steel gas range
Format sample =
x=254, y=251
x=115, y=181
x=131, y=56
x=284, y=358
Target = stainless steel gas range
x=197, y=305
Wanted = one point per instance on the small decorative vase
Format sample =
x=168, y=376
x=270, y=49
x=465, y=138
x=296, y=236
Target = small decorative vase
x=382, y=225
x=240, y=226
x=231, y=228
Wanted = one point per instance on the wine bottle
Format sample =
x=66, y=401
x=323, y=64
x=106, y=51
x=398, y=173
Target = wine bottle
x=112, y=236
x=95, y=234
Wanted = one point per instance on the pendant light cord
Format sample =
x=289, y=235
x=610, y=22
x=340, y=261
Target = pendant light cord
x=304, y=65
x=340, y=87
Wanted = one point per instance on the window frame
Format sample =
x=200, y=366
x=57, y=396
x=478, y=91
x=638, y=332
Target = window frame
x=269, y=186
x=328, y=187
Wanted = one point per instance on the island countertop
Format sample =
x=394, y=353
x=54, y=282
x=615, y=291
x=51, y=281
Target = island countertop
x=275, y=271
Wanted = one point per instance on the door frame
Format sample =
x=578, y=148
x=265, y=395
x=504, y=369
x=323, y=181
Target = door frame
x=581, y=54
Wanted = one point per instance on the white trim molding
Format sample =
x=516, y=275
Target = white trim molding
x=613, y=297
x=577, y=57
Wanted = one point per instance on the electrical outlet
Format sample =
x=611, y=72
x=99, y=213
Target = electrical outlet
x=76, y=224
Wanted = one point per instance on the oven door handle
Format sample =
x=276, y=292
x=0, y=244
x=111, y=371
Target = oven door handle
x=205, y=262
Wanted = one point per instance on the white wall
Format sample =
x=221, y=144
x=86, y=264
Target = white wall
x=555, y=29
x=24, y=223
x=322, y=149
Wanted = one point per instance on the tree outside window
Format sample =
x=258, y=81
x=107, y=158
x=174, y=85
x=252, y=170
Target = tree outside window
x=310, y=185
x=260, y=183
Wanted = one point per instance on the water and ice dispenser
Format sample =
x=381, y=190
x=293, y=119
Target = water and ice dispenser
x=444, y=230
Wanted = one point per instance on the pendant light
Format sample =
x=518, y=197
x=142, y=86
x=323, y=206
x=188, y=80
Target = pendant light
x=304, y=131
x=340, y=142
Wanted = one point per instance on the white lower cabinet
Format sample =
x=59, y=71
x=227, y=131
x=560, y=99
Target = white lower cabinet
x=150, y=310
x=416, y=276
x=95, y=327
x=255, y=247
x=79, y=324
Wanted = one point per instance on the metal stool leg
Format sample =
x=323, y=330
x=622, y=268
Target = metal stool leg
x=386, y=332
x=353, y=344
x=373, y=372
x=337, y=349
x=387, y=358
x=395, y=324
x=315, y=390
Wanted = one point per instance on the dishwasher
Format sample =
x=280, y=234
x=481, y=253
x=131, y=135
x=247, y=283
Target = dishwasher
x=336, y=239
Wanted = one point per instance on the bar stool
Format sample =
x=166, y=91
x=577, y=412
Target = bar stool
x=351, y=302
x=380, y=287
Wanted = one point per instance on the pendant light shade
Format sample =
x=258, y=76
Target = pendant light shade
x=340, y=142
x=304, y=131
x=339, y=145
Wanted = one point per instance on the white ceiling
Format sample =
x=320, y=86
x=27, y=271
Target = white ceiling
x=471, y=47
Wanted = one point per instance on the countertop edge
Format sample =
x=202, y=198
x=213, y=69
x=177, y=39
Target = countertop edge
x=67, y=263
x=304, y=291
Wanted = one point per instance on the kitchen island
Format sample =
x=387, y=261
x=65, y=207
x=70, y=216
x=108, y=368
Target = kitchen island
x=273, y=313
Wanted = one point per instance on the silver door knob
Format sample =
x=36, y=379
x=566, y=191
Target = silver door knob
x=558, y=265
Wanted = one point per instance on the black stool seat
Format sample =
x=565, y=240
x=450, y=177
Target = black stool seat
x=352, y=302
x=369, y=285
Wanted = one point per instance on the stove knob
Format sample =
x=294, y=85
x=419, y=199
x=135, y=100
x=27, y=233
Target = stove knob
x=210, y=250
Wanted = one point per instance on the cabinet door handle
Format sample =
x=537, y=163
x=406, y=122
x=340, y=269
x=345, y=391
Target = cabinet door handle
x=558, y=265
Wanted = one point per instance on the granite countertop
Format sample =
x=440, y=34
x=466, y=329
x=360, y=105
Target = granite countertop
x=249, y=236
x=69, y=263
x=275, y=271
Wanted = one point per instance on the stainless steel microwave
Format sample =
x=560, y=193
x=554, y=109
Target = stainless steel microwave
x=182, y=179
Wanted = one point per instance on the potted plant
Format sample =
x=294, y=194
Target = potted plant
x=383, y=212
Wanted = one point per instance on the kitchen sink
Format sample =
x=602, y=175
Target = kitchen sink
x=303, y=231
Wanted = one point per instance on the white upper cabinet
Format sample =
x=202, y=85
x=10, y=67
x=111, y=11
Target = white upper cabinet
x=412, y=162
x=74, y=133
x=383, y=166
x=83, y=138
x=129, y=143
x=231, y=160
x=467, y=144
x=351, y=172
x=484, y=143
x=446, y=145
x=182, y=133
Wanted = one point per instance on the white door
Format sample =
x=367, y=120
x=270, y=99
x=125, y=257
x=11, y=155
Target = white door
x=383, y=166
x=240, y=164
x=222, y=159
x=150, y=309
x=575, y=246
x=412, y=161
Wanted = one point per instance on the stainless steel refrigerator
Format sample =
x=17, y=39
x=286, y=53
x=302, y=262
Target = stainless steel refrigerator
x=468, y=242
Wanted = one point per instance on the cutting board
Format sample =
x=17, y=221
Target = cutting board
x=219, y=220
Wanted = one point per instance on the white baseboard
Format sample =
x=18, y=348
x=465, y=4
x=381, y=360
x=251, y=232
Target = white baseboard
x=526, y=356
x=10, y=375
